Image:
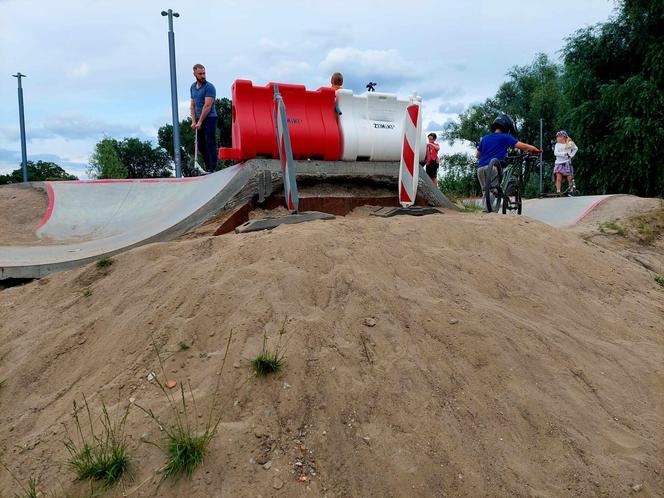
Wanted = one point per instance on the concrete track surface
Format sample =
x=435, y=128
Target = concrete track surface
x=562, y=211
x=87, y=220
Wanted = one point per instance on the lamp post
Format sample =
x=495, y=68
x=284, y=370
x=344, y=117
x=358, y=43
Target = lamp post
x=174, y=92
x=21, y=117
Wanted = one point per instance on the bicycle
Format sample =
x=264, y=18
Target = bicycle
x=506, y=186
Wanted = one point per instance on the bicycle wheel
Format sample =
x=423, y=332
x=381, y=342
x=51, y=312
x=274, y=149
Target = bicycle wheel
x=519, y=201
x=506, y=201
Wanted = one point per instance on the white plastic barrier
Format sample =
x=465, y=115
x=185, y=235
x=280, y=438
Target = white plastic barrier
x=372, y=125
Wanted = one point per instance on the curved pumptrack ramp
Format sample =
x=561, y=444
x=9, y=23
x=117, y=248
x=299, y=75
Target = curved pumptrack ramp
x=562, y=211
x=87, y=220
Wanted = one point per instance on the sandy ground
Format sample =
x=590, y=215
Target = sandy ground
x=449, y=355
x=21, y=210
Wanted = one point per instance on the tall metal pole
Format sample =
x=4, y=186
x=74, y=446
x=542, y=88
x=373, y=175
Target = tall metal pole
x=21, y=117
x=174, y=92
x=541, y=157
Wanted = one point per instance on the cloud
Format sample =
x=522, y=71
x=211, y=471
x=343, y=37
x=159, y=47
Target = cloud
x=79, y=71
x=72, y=127
x=377, y=64
x=452, y=108
x=10, y=160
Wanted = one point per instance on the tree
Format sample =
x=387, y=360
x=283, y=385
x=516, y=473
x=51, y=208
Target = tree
x=105, y=161
x=614, y=83
x=224, y=109
x=38, y=172
x=531, y=93
x=459, y=178
x=128, y=158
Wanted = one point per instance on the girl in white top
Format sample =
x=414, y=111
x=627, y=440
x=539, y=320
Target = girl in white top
x=564, y=151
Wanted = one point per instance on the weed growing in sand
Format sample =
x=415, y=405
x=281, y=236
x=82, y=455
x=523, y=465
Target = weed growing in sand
x=185, y=444
x=270, y=361
x=613, y=226
x=104, y=262
x=183, y=346
x=30, y=492
x=660, y=280
x=471, y=207
x=87, y=293
x=103, y=457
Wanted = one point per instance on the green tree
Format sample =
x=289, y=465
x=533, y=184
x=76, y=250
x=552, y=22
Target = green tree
x=614, y=83
x=531, y=93
x=458, y=177
x=105, y=161
x=38, y=172
x=142, y=160
x=224, y=109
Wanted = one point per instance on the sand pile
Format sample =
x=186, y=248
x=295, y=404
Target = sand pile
x=451, y=355
x=21, y=210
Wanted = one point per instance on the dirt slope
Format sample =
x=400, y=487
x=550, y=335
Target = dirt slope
x=507, y=358
x=21, y=210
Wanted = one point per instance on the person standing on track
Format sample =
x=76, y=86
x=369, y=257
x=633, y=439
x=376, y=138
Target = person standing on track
x=204, y=117
x=564, y=151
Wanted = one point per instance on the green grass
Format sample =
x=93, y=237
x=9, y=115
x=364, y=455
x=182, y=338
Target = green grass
x=87, y=293
x=183, y=346
x=269, y=361
x=471, y=207
x=660, y=280
x=30, y=492
x=613, y=226
x=104, y=262
x=100, y=457
x=185, y=443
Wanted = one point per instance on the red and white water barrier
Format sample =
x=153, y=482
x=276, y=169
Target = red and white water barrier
x=410, y=166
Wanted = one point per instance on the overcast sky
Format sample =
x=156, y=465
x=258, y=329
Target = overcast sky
x=100, y=68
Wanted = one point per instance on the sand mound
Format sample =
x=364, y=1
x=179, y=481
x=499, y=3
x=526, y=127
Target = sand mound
x=451, y=355
x=21, y=210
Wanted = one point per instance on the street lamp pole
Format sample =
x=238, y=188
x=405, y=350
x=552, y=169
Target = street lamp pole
x=21, y=117
x=174, y=92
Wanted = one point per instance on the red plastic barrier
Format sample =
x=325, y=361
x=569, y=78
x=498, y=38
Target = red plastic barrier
x=312, y=122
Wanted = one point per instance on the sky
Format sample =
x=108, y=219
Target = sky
x=99, y=68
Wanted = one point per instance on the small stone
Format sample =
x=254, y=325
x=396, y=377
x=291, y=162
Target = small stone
x=267, y=465
x=366, y=439
x=277, y=483
x=324, y=433
x=370, y=322
x=211, y=334
x=287, y=385
x=145, y=437
x=637, y=487
x=132, y=400
x=454, y=321
x=151, y=376
x=236, y=365
x=262, y=459
x=171, y=383
x=260, y=432
x=82, y=340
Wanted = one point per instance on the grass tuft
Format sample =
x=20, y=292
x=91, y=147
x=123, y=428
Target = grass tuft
x=104, y=457
x=660, y=280
x=613, y=226
x=270, y=361
x=471, y=207
x=87, y=293
x=104, y=262
x=185, y=444
x=30, y=492
x=183, y=346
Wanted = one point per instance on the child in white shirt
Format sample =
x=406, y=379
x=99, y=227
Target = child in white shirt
x=564, y=151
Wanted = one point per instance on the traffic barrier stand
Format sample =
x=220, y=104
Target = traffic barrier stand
x=409, y=168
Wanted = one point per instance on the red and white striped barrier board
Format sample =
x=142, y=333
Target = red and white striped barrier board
x=410, y=166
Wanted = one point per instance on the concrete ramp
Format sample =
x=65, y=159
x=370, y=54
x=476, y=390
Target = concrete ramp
x=562, y=211
x=86, y=220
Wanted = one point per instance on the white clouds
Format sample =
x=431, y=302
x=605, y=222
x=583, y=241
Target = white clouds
x=79, y=71
x=370, y=63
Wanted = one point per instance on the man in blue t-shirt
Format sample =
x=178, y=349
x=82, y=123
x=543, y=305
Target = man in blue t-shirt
x=494, y=147
x=204, y=117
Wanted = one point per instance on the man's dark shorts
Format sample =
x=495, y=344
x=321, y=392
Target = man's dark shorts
x=432, y=169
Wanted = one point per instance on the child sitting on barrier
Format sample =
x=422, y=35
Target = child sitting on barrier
x=493, y=147
x=564, y=151
x=337, y=83
x=431, y=157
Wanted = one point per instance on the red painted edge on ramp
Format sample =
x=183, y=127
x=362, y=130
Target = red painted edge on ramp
x=51, y=204
x=592, y=206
